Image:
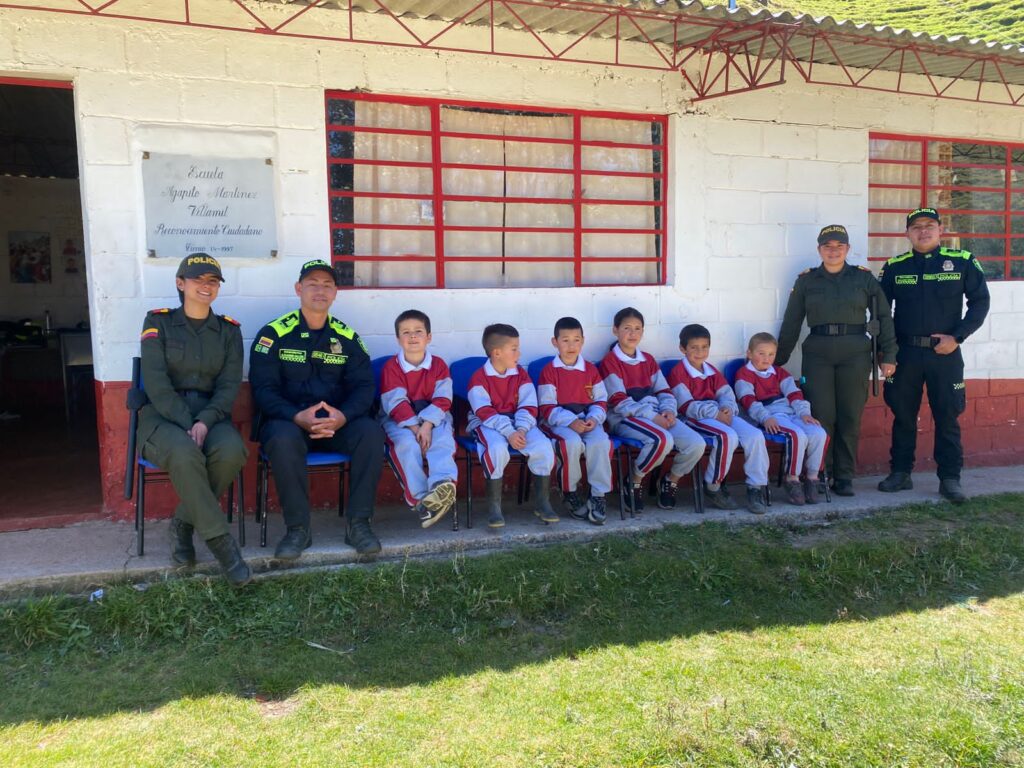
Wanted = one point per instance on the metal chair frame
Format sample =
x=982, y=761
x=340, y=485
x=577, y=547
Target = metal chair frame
x=317, y=463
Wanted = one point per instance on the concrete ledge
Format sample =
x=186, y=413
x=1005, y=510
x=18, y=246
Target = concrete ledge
x=81, y=558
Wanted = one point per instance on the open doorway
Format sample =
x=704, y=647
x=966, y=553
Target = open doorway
x=48, y=435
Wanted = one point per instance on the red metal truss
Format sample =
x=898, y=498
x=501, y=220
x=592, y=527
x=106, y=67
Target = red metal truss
x=717, y=54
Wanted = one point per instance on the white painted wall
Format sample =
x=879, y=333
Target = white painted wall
x=52, y=206
x=753, y=178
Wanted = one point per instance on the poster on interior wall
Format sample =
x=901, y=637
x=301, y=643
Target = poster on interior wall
x=29, y=256
x=215, y=205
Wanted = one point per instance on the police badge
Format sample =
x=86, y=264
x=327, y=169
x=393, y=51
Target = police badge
x=335, y=346
x=947, y=266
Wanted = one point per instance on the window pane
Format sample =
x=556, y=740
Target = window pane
x=397, y=274
x=883, y=173
x=944, y=176
x=392, y=147
x=615, y=246
x=994, y=270
x=373, y=210
x=620, y=188
x=979, y=246
x=620, y=273
x=388, y=178
x=967, y=152
x=887, y=222
x=893, y=149
x=383, y=115
x=619, y=159
x=887, y=247
x=619, y=216
x=1017, y=269
x=498, y=122
x=964, y=222
x=623, y=131
x=966, y=200
x=901, y=199
x=1017, y=247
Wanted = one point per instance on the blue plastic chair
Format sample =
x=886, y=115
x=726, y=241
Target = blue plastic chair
x=461, y=371
x=140, y=472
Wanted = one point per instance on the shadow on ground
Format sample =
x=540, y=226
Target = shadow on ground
x=413, y=623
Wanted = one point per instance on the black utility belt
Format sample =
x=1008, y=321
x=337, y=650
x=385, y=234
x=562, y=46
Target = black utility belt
x=839, y=329
x=925, y=342
x=195, y=392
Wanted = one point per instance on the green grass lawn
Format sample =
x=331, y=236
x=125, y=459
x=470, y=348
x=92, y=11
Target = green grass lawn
x=892, y=641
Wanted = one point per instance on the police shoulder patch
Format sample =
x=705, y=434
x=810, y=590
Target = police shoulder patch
x=150, y=333
x=161, y=311
x=862, y=268
x=229, y=319
x=806, y=271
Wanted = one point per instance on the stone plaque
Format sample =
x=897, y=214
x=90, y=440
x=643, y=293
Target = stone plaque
x=215, y=205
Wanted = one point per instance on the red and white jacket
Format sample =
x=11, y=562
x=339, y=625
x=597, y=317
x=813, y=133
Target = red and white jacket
x=700, y=394
x=567, y=393
x=504, y=402
x=411, y=394
x=769, y=393
x=635, y=386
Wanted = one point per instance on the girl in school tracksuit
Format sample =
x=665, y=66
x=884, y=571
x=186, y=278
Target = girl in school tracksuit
x=641, y=407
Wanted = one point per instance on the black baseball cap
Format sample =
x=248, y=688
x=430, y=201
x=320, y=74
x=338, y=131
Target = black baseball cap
x=833, y=232
x=919, y=213
x=199, y=264
x=318, y=264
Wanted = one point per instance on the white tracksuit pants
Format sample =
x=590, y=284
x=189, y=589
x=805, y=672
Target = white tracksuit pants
x=659, y=442
x=725, y=439
x=571, y=447
x=493, y=449
x=406, y=459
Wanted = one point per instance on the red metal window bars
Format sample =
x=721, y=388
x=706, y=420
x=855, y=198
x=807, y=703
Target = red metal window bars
x=426, y=193
x=977, y=187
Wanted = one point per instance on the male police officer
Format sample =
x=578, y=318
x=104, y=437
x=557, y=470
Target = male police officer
x=313, y=386
x=928, y=285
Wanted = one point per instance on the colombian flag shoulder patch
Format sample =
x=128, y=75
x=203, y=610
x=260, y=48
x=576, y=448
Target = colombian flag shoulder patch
x=150, y=333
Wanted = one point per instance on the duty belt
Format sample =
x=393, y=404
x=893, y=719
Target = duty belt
x=196, y=392
x=839, y=329
x=927, y=342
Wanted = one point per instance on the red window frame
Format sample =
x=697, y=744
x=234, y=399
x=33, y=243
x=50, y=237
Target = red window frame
x=927, y=192
x=438, y=196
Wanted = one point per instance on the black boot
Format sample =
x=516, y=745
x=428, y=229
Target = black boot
x=896, y=481
x=950, y=489
x=543, y=508
x=183, y=551
x=293, y=543
x=494, y=517
x=229, y=556
x=361, y=537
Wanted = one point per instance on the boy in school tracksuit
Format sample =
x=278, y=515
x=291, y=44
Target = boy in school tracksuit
x=573, y=408
x=772, y=399
x=416, y=402
x=706, y=401
x=503, y=415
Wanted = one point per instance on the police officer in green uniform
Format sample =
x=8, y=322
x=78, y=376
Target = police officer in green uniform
x=313, y=386
x=928, y=285
x=837, y=354
x=191, y=371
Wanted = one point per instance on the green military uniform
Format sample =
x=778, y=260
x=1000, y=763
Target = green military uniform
x=191, y=372
x=837, y=353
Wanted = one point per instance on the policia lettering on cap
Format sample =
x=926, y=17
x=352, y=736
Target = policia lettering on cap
x=928, y=285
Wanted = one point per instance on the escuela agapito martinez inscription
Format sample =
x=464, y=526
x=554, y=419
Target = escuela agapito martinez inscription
x=216, y=205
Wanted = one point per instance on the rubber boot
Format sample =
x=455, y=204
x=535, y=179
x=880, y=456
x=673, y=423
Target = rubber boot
x=494, y=517
x=183, y=551
x=229, y=556
x=543, y=509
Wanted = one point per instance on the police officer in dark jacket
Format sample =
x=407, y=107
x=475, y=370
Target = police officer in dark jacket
x=313, y=386
x=928, y=285
x=191, y=371
x=835, y=298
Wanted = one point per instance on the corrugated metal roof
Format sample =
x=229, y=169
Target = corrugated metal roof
x=684, y=24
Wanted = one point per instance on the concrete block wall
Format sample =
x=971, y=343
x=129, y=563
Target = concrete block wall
x=752, y=179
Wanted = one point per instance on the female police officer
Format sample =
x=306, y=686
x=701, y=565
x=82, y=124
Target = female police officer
x=192, y=370
x=837, y=354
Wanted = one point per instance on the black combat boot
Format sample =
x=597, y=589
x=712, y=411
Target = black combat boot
x=494, y=517
x=183, y=551
x=896, y=481
x=229, y=556
x=950, y=489
x=543, y=508
x=360, y=536
x=293, y=543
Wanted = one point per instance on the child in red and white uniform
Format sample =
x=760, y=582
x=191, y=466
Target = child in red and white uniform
x=641, y=407
x=772, y=399
x=573, y=408
x=416, y=403
x=706, y=401
x=503, y=415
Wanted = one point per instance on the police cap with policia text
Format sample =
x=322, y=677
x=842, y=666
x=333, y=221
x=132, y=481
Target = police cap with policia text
x=199, y=264
x=922, y=213
x=318, y=264
x=834, y=232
